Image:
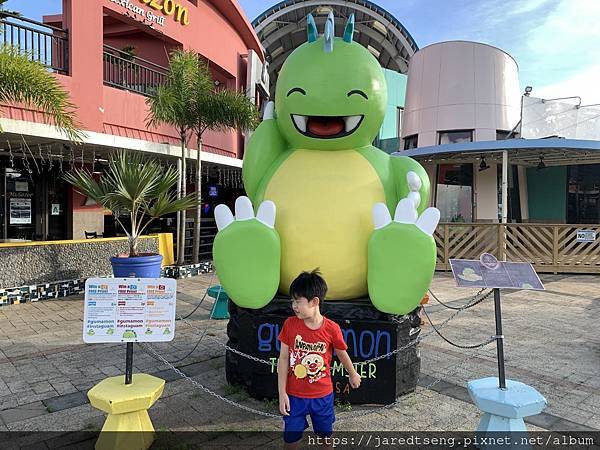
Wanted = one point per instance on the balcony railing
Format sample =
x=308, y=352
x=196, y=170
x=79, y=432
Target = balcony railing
x=43, y=43
x=131, y=73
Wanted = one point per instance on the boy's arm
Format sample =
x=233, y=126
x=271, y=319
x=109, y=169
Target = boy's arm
x=347, y=363
x=282, y=374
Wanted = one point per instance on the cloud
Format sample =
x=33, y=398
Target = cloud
x=564, y=47
x=584, y=83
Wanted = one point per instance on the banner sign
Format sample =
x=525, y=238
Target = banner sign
x=129, y=310
x=365, y=340
x=382, y=380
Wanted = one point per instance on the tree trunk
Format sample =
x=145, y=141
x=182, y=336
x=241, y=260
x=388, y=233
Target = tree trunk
x=178, y=228
x=181, y=233
x=198, y=218
x=133, y=246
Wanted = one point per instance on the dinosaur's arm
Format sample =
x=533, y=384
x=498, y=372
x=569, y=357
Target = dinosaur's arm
x=265, y=145
x=400, y=166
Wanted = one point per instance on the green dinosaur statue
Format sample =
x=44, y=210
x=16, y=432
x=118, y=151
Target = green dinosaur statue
x=335, y=192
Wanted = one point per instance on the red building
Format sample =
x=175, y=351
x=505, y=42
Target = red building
x=110, y=55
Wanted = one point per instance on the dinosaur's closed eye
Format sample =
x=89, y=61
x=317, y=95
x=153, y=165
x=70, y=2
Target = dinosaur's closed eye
x=296, y=89
x=357, y=92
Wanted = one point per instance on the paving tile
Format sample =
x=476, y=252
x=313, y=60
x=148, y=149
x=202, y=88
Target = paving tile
x=66, y=401
x=23, y=412
x=537, y=353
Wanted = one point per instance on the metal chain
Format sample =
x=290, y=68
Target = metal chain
x=459, y=364
x=386, y=355
x=487, y=341
x=207, y=390
x=454, y=307
x=420, y=338
x=347, y=416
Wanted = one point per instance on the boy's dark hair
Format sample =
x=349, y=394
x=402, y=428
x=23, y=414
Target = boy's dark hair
x=309, y=285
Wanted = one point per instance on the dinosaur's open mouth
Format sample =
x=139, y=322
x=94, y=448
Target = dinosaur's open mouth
x=326, y=127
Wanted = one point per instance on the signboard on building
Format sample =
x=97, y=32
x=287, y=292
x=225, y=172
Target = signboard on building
x=487, y=272
x=586, y=235
x=163, y=8
x=55, y=209
x=129, y=310
x=20, y=211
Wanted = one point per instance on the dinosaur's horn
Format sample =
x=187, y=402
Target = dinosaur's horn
x=311, y=28
x=329, y=33
x=349, y=30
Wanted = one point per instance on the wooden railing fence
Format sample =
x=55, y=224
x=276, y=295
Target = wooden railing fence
x=550, y=248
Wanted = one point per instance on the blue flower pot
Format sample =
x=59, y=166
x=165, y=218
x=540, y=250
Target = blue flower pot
x=137, y=266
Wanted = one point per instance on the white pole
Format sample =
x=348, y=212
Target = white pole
x=504, y=186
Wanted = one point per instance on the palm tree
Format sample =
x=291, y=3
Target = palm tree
x=173, y=104
x=29, y=82
x=134, y=185
x=216, y=109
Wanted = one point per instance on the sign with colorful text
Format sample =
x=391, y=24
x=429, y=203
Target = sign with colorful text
x=366, y=339
x=129, y=310
x=166, y=8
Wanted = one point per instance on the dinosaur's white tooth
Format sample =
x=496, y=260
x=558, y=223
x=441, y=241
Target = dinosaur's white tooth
x=300, y=122
x=351, y=122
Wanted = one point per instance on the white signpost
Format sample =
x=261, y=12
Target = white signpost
x=488, y=272
x=129, y=310
x=586, y=235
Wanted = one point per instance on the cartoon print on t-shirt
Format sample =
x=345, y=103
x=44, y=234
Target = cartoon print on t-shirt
x=306, y=364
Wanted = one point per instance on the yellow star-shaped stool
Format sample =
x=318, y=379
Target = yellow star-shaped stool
x=128, y=426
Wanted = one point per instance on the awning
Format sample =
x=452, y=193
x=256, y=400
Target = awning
x=525, y=152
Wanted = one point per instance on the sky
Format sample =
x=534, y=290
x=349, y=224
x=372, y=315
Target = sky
x=556, y=43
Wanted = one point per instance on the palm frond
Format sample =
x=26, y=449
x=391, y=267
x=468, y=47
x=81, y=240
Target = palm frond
x=224, y=109
x=28, y=82
x=136, y=185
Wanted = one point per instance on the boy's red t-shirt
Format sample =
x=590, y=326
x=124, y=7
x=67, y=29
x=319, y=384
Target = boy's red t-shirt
x=311, y=351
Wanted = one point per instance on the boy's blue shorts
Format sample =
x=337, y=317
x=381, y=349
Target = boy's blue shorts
x=321, y=415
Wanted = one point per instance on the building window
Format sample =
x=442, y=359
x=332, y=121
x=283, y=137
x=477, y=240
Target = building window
x=583, y=193
x=399, y=123
x=455, y=137
x=502, y=135
x=454, y=193
x=411, y=141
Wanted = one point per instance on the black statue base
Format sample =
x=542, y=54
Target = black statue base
x=368, y=332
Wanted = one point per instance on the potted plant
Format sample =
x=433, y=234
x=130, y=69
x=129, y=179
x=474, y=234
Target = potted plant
x=143, y=189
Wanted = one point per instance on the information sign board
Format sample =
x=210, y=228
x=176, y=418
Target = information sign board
x=129, y=310
x=484, y=273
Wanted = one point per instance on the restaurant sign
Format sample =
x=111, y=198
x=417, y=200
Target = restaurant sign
x=166, y=8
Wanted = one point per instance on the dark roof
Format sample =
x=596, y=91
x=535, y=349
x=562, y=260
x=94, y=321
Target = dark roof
x=527, y=152
x=282, y=28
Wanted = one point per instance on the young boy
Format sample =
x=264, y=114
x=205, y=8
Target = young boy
x=308, y=340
